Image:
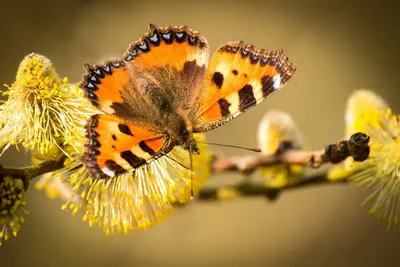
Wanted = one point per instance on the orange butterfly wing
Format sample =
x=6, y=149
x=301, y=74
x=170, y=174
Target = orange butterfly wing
x=164, y=66
x=239, y=77
x=103, y=84
x=165, y=72
x=170, y=63
x=169, y=47
x=115, y=146
x=165, y=63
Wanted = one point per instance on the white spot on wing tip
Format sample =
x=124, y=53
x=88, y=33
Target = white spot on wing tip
x=108, y=171
x=277, y=81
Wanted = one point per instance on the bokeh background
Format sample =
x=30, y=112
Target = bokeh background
x=338, y=46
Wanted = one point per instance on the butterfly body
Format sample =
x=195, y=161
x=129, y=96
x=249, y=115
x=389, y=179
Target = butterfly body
x=164, y=89
x=178, y=129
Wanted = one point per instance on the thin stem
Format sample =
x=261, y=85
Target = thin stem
x=356, y=147
x=252, y=188
x=30, y=172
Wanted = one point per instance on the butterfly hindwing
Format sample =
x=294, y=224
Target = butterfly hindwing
x=239, y=77
x=115, y=146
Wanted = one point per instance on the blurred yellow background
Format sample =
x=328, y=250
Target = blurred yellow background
x=338, y=46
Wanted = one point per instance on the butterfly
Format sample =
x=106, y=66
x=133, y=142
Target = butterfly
x=164, y=89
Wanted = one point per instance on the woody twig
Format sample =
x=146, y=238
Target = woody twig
x=30, y=172
x=356, y=147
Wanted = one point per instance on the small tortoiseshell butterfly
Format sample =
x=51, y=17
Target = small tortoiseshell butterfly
x=164, y=89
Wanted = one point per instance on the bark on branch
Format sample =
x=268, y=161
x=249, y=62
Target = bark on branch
x=356, y=147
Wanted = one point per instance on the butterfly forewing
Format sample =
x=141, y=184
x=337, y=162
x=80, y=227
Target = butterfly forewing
x=104, y=83
x=239, y=77
x=159, y=72
x=171, y=61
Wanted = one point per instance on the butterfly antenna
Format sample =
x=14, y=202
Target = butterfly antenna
x=174, y=160
x=191, y=173
x=232, y=146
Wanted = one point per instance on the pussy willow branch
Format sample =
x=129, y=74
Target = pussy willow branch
x=251, y=188
x=30, y=172
x=356, y=147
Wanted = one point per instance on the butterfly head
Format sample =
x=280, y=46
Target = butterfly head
x=180, y=131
